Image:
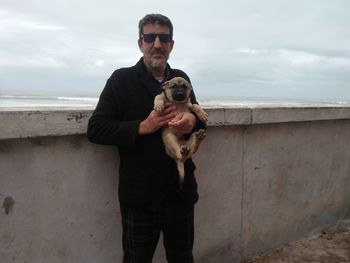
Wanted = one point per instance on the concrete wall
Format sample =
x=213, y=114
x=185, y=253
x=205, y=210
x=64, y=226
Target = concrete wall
x=267, y=176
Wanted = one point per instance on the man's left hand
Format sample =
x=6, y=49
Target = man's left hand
x=183, y=122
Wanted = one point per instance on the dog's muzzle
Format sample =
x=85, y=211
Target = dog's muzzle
x=179, y=93
x=179, y=96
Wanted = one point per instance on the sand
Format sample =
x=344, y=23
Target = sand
x=330, y=246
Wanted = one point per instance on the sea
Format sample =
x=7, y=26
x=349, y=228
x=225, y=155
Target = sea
x=28, y=101
x=32, y=101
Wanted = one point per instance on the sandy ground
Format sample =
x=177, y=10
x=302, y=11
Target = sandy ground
x=330, y=246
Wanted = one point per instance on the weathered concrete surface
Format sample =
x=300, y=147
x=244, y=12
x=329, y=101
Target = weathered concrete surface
x=27, y=123
x=278, y=114
x=261, y=184
x=296, y=180
x=219, y=213
x=65, y=205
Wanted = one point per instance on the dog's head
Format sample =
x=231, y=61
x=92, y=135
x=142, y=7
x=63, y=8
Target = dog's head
x=177, y=89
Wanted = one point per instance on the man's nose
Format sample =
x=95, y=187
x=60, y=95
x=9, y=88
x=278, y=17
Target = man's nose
x=157, y=42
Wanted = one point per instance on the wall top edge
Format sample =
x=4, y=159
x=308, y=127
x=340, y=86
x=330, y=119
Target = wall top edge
x=60, y=121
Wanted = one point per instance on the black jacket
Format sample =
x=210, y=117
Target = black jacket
x=146, y=175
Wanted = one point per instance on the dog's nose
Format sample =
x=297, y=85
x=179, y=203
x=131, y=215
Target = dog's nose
x=179, y=96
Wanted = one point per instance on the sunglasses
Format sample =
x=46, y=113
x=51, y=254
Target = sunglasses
x=150, y=38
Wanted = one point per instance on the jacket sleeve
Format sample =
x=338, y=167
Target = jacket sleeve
x=106, y=125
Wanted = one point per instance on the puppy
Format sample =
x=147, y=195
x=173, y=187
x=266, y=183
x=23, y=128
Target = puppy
x=178, y=90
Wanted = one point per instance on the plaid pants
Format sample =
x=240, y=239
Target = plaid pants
x=141, y=231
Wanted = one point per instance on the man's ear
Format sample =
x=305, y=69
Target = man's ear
x=172, y=45
x=139, y=42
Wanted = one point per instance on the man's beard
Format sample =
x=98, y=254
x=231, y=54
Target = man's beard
x=158, y=63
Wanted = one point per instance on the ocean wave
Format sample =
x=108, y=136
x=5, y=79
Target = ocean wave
x=45, y=101
x=268, y=102
x=78, y=99
x=37, y=97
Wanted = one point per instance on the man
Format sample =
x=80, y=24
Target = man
x=150, y=198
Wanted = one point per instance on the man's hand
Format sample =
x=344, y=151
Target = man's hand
x=183, y=122
x=155, y=120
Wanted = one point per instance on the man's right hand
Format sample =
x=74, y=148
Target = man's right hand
x=155, y=120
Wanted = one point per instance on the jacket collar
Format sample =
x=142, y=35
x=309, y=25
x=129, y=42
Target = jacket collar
x=148, y=81
x=144, y=71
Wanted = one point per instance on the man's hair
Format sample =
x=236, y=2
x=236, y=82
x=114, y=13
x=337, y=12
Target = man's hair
x=155, y=19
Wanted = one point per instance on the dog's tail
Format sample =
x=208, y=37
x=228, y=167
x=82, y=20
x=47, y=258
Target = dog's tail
x=181, y=169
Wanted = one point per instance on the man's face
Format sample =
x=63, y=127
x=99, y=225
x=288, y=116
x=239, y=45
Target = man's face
x=155, y=54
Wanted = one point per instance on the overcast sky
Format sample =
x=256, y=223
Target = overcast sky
x=271, y=48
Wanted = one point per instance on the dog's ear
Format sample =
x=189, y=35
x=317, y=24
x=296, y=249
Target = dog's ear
x=188, y=85
x=164, y=85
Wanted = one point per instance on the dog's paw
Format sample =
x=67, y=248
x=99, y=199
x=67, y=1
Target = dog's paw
x=200, y=134
x=203, y=116
x=159, y=106
x=184, y=150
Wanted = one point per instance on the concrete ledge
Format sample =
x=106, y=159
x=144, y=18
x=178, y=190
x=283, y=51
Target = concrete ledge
x=297, y=114
x=229, y=116
x=27, y=123
x=59, y=121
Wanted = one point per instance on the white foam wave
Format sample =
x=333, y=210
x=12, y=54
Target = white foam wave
x=78, y=99
x=45, y=101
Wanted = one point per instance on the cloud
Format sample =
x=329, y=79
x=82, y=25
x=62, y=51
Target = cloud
x=300, y=58
x=232, y=48
x=98, y=63
x=11, y=22
x=29, y=61
x=295, y=57
x=36, y=26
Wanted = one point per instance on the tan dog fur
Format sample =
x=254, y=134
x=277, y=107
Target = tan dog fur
x=175, y=145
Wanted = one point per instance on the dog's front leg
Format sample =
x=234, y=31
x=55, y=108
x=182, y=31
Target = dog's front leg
x=159, y=102
x=201, y=114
